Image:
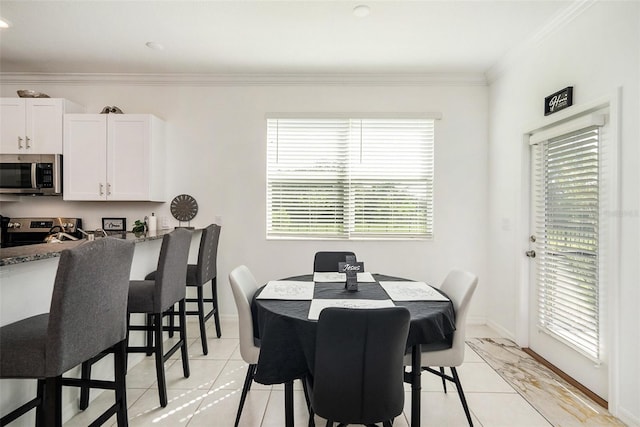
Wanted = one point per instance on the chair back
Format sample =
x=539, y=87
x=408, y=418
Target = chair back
x=328, y=261
x=171, y=276
x=358, y=374
x=208, y=254
x=88, y=312
x=459, y=287
x=244, y=286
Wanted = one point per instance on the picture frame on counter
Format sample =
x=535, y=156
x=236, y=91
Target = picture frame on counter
x=114, y=224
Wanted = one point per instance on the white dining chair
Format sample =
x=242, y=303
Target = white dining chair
x=244, y=286
x=459, y=287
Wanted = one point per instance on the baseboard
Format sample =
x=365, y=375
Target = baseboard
x=631, y=420
x=505, y=333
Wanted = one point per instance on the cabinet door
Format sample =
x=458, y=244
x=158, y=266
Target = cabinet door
x=128, y=156
x=44, y=125
x=12, y=126
x=85, y=157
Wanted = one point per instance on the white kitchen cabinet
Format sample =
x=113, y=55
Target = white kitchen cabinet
x=113, y=157
x=33, y=125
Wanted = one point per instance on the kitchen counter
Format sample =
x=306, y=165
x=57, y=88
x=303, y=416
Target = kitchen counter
x=21, y=254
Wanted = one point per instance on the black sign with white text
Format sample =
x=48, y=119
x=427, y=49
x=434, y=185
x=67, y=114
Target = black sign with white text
x=558, y=101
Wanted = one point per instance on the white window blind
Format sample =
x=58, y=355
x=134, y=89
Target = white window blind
x=567, y=231
x=350, y=178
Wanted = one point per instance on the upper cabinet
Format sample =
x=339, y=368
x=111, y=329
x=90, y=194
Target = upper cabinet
x=33, y=125
x=113, y=157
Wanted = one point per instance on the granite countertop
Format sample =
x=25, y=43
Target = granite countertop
x=21, y=254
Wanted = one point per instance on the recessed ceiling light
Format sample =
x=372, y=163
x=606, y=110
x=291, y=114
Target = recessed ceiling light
x=361, y=10
x=4, y=23
x=155, y=45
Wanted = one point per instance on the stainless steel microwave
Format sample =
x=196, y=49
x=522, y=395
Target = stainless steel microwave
x=31, y=174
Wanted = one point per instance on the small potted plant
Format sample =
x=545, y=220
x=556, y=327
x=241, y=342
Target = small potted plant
x=139, y=228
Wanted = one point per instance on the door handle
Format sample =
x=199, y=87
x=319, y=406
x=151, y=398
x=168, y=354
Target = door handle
x=531, y=253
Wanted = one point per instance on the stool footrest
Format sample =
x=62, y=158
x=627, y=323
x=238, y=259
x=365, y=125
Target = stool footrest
x=18, y=412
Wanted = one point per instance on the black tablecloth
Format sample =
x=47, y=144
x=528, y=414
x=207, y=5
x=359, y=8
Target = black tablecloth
x=287, y=337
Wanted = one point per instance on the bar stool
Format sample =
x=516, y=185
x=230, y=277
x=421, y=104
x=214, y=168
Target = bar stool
x=156, y=298
x=87, y=317
x=198, y=275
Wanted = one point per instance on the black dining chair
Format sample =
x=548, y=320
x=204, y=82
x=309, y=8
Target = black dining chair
x=327, y=262
x=88, y=317
x=358, y=369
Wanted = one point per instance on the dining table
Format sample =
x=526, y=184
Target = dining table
x=285, y=326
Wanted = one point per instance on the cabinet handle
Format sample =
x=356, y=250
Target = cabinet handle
x=101, y=189
x=28, y=140
x=20, y=142
x=108, y=189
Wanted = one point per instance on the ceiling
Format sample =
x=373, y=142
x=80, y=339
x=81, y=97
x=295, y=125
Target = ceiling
x=262, y=37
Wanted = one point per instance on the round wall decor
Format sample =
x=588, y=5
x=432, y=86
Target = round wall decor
x=184, y=207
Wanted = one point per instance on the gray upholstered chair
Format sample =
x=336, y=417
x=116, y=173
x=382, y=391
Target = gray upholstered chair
x=200, y=274
x=328, y=261
x=87, y=317
x=358, y=371
x=156, y=297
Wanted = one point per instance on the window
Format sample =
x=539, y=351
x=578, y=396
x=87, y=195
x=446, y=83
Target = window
x=350, y=178
x=567, y=175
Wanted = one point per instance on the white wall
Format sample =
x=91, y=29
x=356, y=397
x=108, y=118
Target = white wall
x=216, y=152
x=597, y=52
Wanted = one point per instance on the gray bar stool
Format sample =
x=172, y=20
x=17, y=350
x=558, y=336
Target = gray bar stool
x=87, y=317
x=198, y=275
x=157, y=297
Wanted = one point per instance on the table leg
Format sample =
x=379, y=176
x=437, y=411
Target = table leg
x=288, y=403
x=416, y=384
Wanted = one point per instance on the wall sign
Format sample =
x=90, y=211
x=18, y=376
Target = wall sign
x=558, y=101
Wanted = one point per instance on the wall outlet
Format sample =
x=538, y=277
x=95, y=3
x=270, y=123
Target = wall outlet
x=164, y=222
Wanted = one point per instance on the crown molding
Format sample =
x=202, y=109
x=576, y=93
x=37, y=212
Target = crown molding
x=556, y=23
x=426, y=79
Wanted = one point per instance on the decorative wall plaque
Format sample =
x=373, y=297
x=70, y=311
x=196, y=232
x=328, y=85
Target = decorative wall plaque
x=558, y=101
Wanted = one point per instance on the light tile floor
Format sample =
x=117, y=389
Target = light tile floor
x=210, y=396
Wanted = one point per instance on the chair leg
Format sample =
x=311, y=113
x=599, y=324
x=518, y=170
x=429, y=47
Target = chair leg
x=251, y=370
x=388, y=423
x=120, y=371
x=461, y=394
x=444, y=381
x=53, y=402
x=85, y=390
x=216, y=313
x=149, y=334
x=329, y=423
x=159, y=352
x=172, y=321
x=203, y=330
x=40, y=420
x=182, y=311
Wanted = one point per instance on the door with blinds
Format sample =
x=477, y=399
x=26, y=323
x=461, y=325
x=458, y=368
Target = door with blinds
x=566, y=284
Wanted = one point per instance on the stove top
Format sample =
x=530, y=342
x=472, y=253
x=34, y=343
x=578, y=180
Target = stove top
x=33, y=230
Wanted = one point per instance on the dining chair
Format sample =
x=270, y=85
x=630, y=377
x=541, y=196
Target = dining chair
x=243, y=287
x=459, y=286
x=358, y=370
x=157, y=298
x=328, y=261
x=87, y=317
